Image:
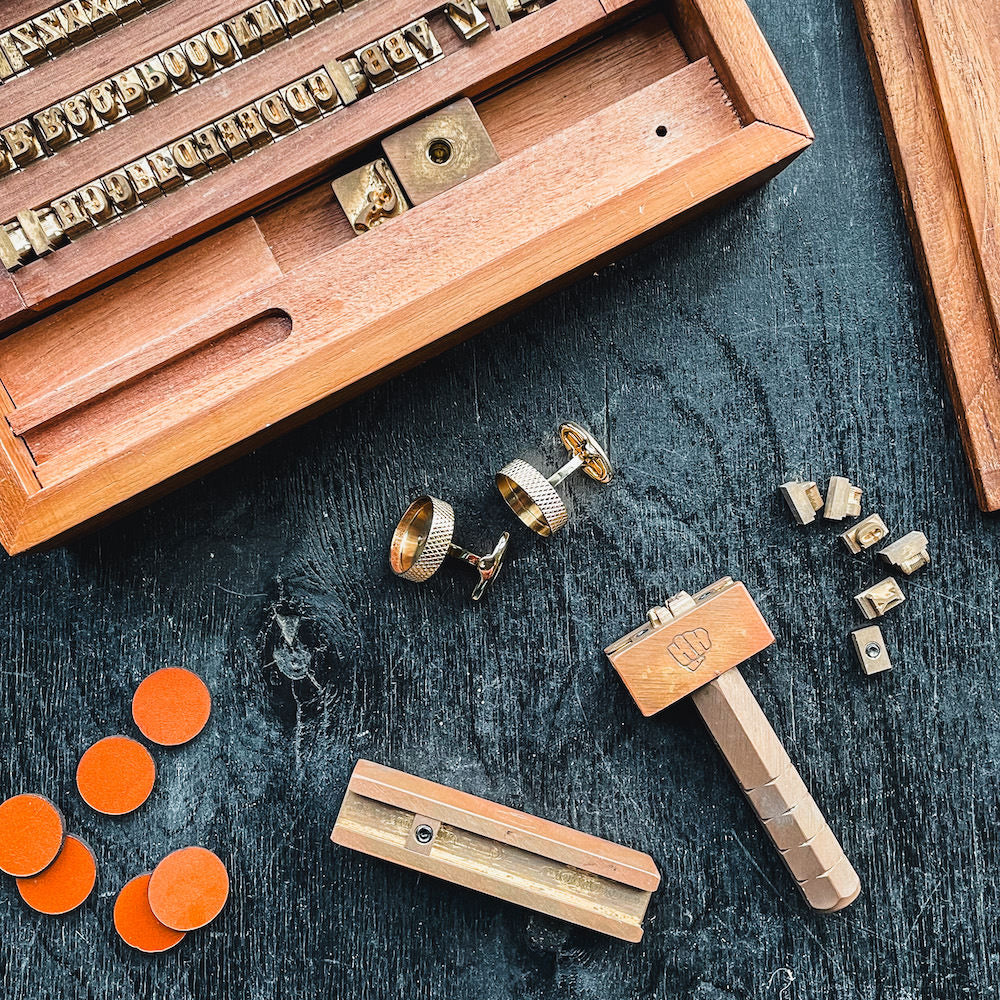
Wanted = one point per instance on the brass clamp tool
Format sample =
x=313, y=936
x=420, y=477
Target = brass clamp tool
x=693, y=646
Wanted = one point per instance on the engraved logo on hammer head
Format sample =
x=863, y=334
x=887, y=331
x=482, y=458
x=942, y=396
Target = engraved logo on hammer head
x=689, y=648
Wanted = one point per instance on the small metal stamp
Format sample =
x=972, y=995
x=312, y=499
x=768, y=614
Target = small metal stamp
x=533, y=497
x=423, y=540
x=864, y=534
x=803, y=499
x=370, y=196
x=466, y=18
x=842, y=499
x=869, y=647
x=442, y=150
x=907, y=554
x=880, y=598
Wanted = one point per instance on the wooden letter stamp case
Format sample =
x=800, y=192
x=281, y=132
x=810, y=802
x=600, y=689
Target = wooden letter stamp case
x=179, y=280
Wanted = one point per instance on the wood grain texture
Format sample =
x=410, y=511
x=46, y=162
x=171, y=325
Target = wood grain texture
x=783, y=336
x=937, y=209
x=962, y=42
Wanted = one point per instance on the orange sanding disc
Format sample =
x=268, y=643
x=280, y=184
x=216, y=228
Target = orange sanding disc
x=65, y=884
x=188, y=888
x=31, y=834
x=171, y=706
x=115, y=775
x=135, y=922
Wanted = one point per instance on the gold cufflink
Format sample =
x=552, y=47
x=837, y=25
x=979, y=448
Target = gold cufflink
x=423, y=539
x=533, y=497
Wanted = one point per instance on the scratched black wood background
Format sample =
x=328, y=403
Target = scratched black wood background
x=785, y=335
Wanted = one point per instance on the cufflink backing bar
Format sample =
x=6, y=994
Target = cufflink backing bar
x=423, y=540
x=532, y=496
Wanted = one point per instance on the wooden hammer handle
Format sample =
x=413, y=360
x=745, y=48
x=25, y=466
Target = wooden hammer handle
x=777, y=793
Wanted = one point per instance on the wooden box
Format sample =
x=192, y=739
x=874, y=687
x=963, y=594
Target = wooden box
x=242, y=302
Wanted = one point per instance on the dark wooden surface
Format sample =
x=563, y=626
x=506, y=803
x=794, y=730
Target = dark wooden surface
x=781, y=336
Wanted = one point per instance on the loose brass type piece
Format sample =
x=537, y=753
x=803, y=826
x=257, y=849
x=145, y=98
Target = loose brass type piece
x=869, y=647
x=803, y=499
x=880, y=598
x=533, y=497
x=440, y=151
x=423, y=540
x=466, y=18
x=693, y=645
x=842, y=499
x=864, y=534
x=370, y=196
x=907, y=554
x=472, y=842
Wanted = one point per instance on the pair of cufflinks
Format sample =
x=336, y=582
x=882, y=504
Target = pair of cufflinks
x=424, y=537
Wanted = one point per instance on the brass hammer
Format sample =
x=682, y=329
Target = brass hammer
x=692, y=646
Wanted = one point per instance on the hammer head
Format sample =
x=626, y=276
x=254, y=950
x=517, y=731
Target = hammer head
x=689, y=643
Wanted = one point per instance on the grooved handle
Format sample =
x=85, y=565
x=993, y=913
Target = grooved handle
x=778, y=795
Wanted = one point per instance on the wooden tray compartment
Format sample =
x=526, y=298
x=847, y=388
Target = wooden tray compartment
x=260, y=325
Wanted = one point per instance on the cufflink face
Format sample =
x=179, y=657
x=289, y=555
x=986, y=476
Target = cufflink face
x=423, y=539
x=532, y=495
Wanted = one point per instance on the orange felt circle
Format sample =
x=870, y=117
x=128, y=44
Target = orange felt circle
x=115, y=775
x=135, y=922
x=65, y=884
x=188, y=889
x=31, y=834
x=171, y=706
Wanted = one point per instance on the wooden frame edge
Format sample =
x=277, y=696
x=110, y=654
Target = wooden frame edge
x=727, y=32
x=970, y=394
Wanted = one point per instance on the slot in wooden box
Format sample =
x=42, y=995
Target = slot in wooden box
x=243, y=304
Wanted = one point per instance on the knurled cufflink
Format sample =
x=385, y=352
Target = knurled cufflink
x=532, y=496
x=423, y=540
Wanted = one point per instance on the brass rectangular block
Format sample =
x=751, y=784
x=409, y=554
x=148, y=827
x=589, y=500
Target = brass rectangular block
x=166, y=172
x=75, y=22
x=50, y=33
x=28, y=44
x=22, y=143
x=31, y=225
x=370, y=196
x=440, y=151
x=423, y=41
x=869, y=648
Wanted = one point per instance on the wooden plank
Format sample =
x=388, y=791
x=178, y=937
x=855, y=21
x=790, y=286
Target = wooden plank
x=938, y=222
x=85, y=350
x=962, y=42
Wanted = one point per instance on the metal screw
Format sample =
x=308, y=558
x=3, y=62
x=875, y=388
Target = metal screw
x=423, y=834
x=873, y=650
